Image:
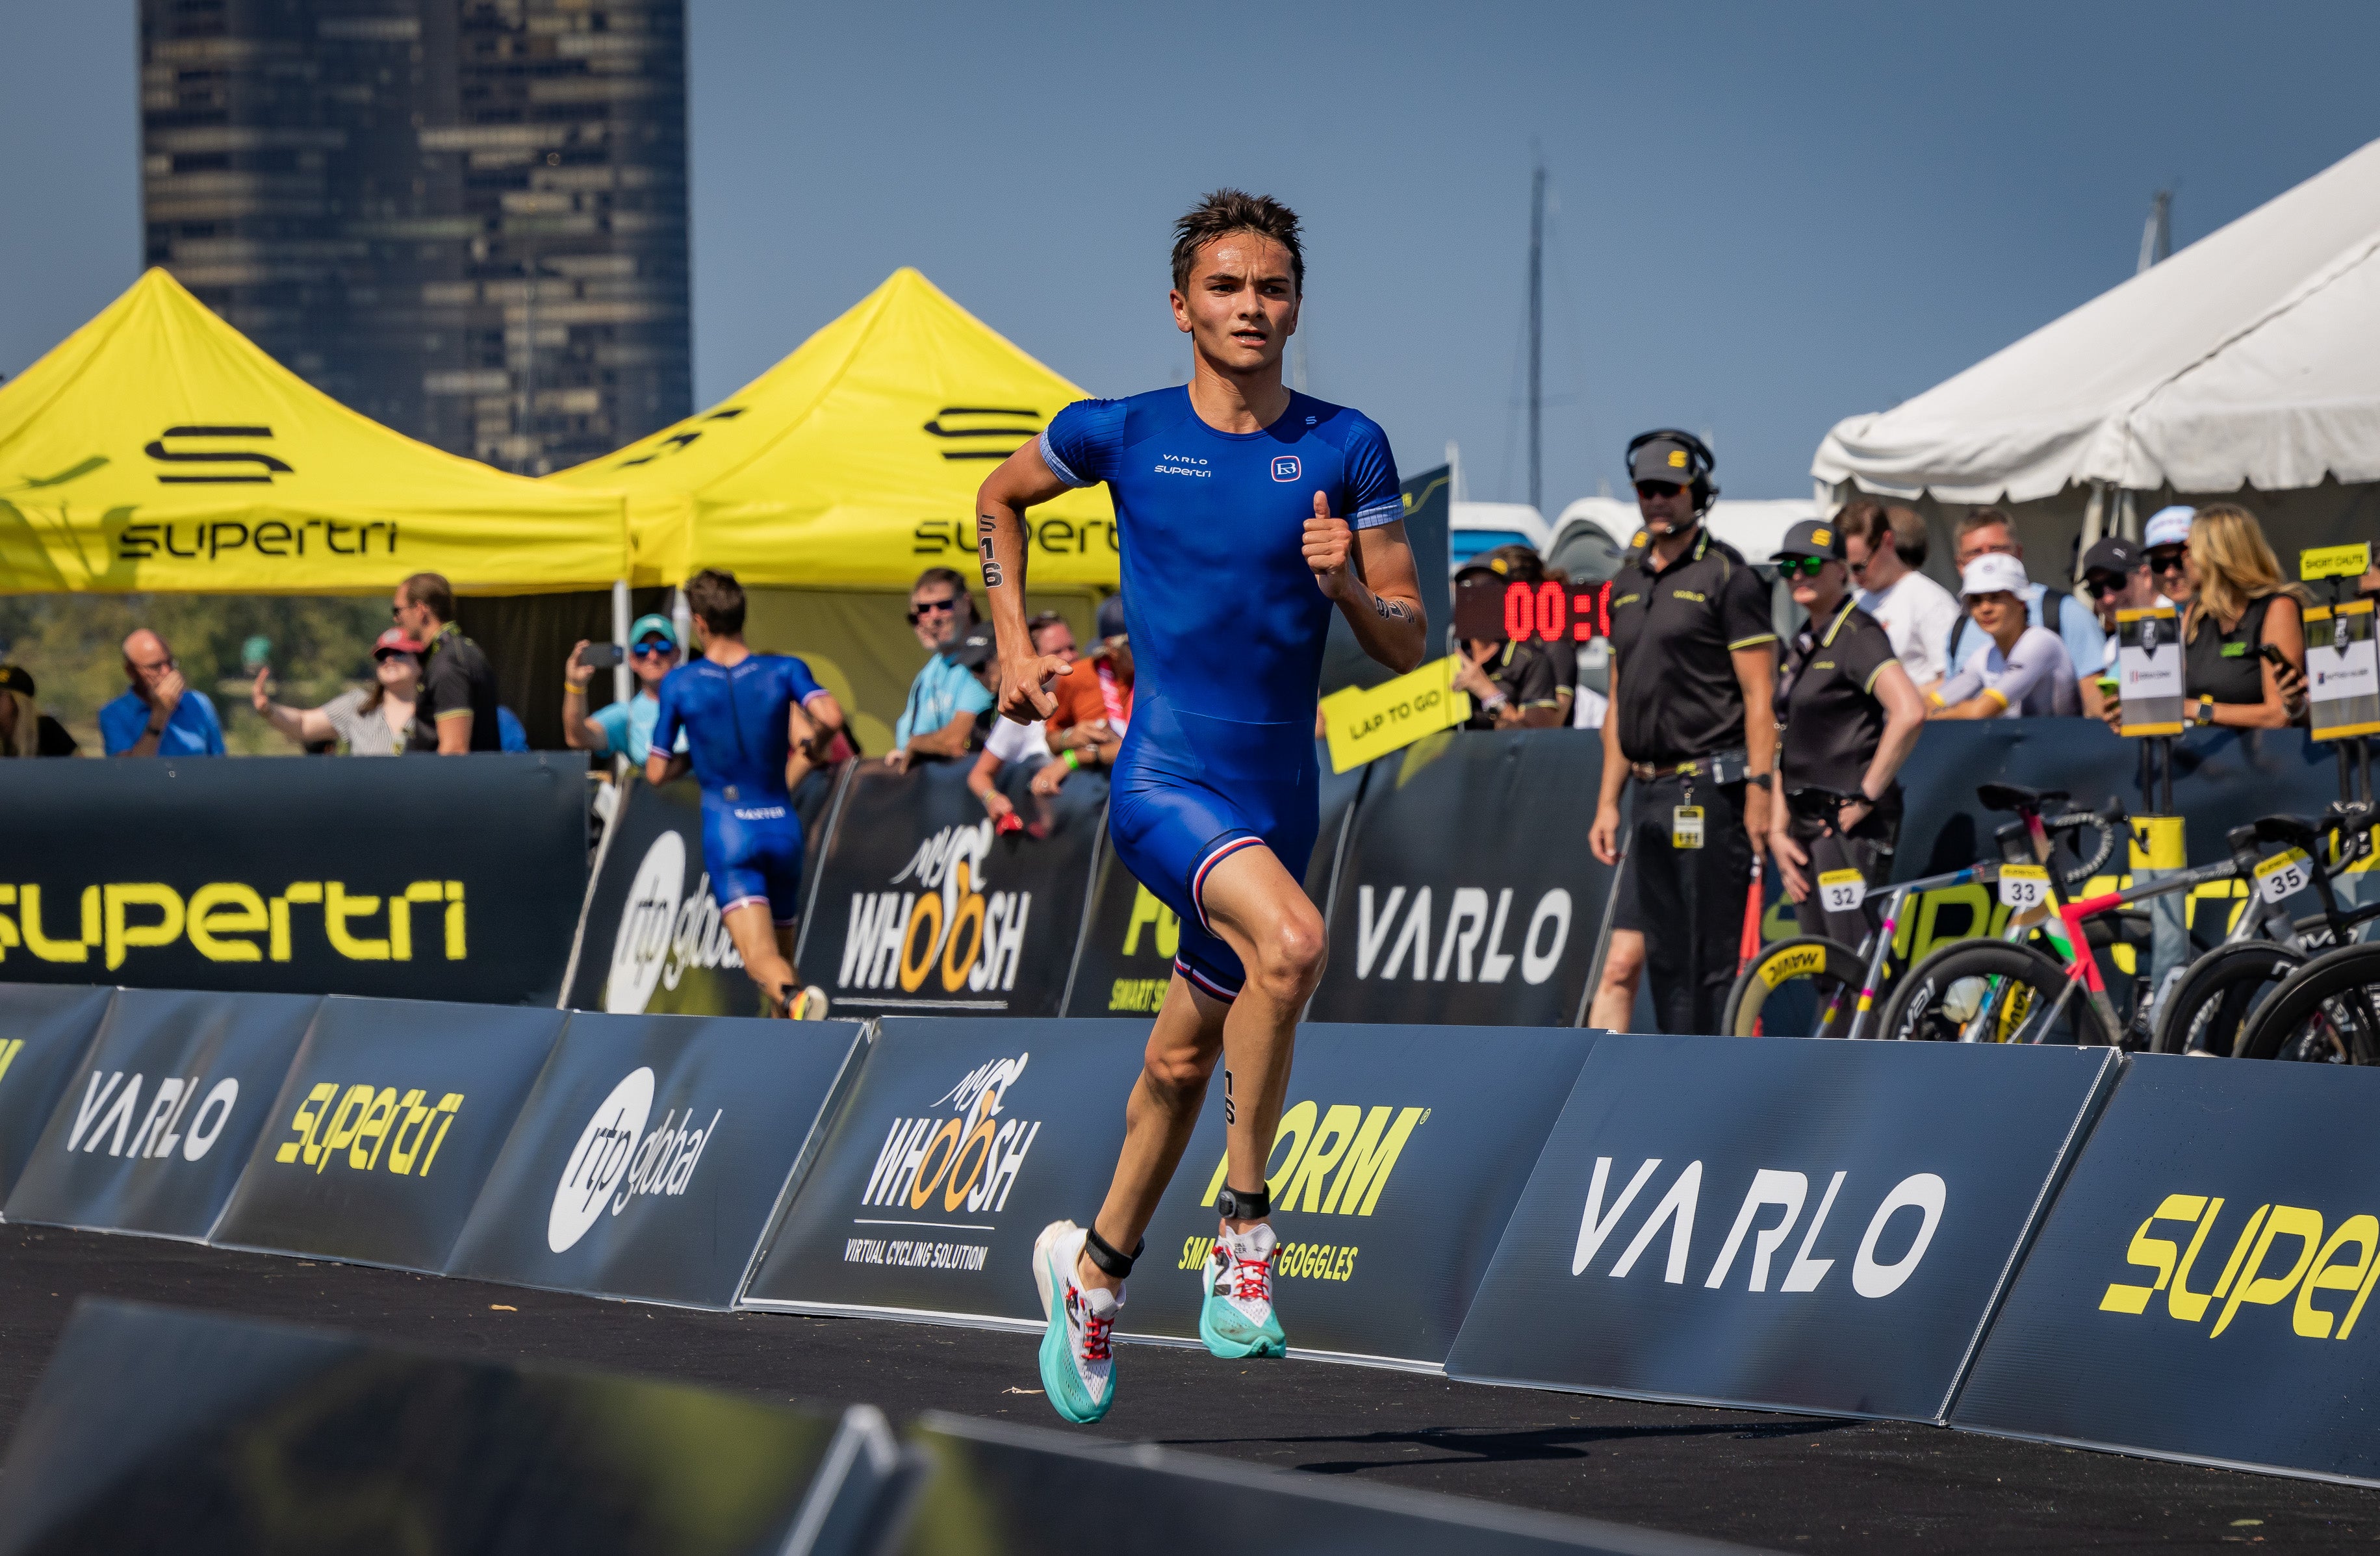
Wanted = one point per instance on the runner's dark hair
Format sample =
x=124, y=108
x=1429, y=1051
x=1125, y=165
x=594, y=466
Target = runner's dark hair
x=718, y=599
x=1228, y=211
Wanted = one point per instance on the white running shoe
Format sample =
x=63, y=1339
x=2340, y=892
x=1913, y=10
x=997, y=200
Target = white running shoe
x=1077, y=1365
x=1235, y=1314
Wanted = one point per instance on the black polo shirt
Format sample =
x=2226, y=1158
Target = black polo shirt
x=455, y=678
x=1673, y=632
x=1826, y=698
x=1525, y=674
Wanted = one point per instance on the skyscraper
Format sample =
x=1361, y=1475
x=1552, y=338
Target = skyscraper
x=464, y=218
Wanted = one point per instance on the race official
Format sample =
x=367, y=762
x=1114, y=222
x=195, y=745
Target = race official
x=1694, y=667
x=1848, y=716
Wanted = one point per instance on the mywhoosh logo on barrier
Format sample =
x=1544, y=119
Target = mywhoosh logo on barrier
x=1784, y=1192
x=963, y=1159
x=220, y=918
x=1472, y=943
x=616, y=1160
x=1336, y=1162
x=328, y=1124
x=110, y=1103
x=660, y=937
x=950, y=931
x=2251, y=1276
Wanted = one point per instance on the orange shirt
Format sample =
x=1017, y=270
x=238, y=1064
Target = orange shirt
x=1080, y=701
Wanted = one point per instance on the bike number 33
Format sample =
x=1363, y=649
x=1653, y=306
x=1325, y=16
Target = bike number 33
x=2283, y=876
x=2024, y=886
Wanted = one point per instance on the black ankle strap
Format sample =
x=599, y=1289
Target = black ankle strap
x=1103, y=1254
x=1242, y=1204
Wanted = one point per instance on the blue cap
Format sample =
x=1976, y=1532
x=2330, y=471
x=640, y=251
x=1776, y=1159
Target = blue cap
x=2169, y=527
x=653, y=625
x=1111, y=622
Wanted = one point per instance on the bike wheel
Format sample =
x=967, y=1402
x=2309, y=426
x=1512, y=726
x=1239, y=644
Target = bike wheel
x=1807, y=986
x=2211, y=1004
x=2327, y=1012
x=1990, y=992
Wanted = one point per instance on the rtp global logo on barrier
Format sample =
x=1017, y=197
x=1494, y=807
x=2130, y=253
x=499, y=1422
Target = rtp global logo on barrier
x=947, y=940
x=664, y=930
x=617, y=1161
x=951, y=1170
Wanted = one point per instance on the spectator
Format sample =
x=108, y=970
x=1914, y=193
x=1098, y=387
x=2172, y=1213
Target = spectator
x=939, y=719
x=2239, y=603
x=456, y=710
x=2019, y=670
x=161, y=716
x=1513, y=683
x=2165, y=543
x=25, y=730
x=1520, y=563
x=1883, y=548
x=378, y=722
x=2116, y=577
x=1086, y=729
x=1001, y=742
x=1988, y=532
x=621, y=729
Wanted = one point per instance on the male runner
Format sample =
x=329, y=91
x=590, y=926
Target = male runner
x=1229, y=494
x=755, y=725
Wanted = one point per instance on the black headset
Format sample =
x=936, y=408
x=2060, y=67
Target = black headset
x=1701, y=462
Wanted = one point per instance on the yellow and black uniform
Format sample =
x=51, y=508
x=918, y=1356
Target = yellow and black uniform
x=455, y=678
x=1830, y=723
x=1525, y=674
x=1680, y=712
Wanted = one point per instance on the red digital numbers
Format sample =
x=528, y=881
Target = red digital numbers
x=1547, y=613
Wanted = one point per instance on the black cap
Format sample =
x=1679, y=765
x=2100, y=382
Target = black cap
x=1663, y=458
x=2114, y=554
x=1510, y=562
x=975, y=650
x=1111, y=622
x=16, y=677
x=1821, y=538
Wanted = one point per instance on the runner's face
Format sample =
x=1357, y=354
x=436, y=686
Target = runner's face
x=1241, y=306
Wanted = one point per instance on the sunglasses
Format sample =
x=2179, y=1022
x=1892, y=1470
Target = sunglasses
x=653, y=649
x=2168, y=561
x=1659, y=488
x=932, y=607
x=1801, y=567
x=2101, y=585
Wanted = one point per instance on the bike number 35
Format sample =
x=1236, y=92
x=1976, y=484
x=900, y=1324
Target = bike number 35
x=2283, y=876
x=2024, y=886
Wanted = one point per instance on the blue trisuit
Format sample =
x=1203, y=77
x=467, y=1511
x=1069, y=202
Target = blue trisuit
x=734, y=725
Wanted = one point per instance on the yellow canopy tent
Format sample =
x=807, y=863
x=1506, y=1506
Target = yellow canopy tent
x=157, y=448
x=828, y=482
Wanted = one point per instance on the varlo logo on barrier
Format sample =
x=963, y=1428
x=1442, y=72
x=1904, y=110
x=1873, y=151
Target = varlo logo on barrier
x=660, y=937
x=618, y=1159
x=2308, y=1265
x=1331, y=1162
x=1784, y=1192
x=964, y=1159
x=1472, y=945
x=972, y=940
x=111, y=1102
x=220, y=919
x=329, y=1124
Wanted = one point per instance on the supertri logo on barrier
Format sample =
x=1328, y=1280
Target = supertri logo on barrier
x=617, y=1161
x=111, y=1102
x=961, y=1158
x=1333, y=1160
x=223, y=920
x=1768, y=1215
x=2277, y=1251
x=661, y=936
x=947, y=935
x=1480, y=938
x=368, y=1128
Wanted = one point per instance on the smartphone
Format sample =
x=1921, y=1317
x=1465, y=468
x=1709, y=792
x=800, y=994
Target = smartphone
x=602, y=656
x=2109, y=686
x=2274, y=657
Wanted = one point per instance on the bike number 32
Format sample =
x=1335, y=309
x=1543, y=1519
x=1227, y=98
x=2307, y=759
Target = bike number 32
x=2283, y=876
x=1841, y=891
x=2024, y=886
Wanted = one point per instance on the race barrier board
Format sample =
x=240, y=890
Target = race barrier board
x=651, y=1153
x=392, y=1113
x=1785, y=1224
x=921, y=905
x=961, y=1141
x=156, y=1125
x=2198, y=1291
x=1392, y=1175
x=650, y=939
x=158, y=1429
x=455, y=879
x=43, y=1032
x=1450, y=904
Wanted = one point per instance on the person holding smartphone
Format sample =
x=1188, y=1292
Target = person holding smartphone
x=620, y=729
x=2242, y=634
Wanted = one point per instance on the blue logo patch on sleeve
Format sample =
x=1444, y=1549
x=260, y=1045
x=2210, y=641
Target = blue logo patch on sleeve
x=1285, y=468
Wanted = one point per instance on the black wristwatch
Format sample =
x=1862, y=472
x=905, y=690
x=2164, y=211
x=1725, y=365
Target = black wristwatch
x=1760, y=780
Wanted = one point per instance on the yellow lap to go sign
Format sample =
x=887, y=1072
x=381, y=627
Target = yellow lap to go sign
x=1362, y=724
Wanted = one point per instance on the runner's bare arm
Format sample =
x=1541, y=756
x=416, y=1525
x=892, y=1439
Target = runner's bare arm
x=1370, y=574
x=662, y=768
x=1021, y=480
x=803, y=740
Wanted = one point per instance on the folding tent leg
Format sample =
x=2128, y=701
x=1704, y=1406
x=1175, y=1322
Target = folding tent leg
x=622, y=683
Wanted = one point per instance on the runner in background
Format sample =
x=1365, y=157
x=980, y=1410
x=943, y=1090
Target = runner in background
x=754, y=724
x=1248, y=514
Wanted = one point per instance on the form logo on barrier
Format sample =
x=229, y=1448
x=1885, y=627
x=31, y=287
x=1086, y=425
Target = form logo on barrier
x=110, y=1103
x=1338, y=1164
x=1472, y=940
x=964, y=1160
x=617, y=1159
x=947, y=928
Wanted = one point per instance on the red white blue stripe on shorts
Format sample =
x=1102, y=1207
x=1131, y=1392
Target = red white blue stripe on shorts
x=1198, y=877
x=1203, y=981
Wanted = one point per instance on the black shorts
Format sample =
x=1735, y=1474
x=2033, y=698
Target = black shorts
x=1687, y=902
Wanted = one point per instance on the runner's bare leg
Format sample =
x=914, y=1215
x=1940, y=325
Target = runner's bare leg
x=1263, y=914
x=765, y=950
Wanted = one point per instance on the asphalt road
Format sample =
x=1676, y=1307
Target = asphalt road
x=1792, y=1482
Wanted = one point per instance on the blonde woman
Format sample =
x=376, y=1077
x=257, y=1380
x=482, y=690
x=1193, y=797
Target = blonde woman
x=2239, y=605
x=25, y=731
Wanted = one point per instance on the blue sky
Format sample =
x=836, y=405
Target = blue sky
x=1768, y=216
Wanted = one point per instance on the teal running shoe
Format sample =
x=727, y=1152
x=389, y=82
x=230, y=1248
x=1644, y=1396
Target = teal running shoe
x=1235, y=1314
x=1077, y=1367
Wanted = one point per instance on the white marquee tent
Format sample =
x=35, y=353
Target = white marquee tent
x=2246, y=360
